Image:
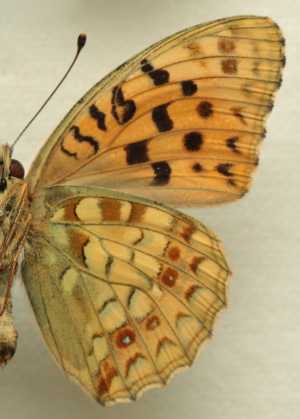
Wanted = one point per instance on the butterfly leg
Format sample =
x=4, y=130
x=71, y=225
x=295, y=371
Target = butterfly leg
x=13, y=267
x=21, y=207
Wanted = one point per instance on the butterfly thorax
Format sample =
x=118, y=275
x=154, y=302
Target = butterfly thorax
x=14, y=219
x=13, y=209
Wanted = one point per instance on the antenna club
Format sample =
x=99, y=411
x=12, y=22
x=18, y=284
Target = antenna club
x=81, y=41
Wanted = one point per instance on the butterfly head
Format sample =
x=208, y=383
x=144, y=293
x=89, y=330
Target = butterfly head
x=9, y=168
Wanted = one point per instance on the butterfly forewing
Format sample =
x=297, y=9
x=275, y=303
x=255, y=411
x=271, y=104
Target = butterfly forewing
x=183, y=120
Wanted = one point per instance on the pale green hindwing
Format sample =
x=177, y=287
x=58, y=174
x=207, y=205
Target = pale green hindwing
x=134, y=289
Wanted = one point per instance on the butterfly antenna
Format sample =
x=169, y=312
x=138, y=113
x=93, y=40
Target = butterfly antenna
x=80, y=44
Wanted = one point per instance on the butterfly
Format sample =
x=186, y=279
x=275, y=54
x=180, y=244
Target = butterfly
x=125, y=289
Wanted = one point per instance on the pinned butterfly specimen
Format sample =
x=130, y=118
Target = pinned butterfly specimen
x=125, y=289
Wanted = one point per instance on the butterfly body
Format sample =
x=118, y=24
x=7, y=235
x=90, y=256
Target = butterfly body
x=15, y=219
x=126, y=291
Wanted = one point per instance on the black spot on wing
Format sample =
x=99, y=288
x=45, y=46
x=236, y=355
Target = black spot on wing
x=122, y=110
x=108, y=265
x=67, y=152
x=159, y=77
x=205, y=109
x=146, y=66
x=117, y=95
x=193, y=141
x=98, y=116
x=231, y=143
x=129, y=109
x=237, y=112
x=81, y=138
x=188, y=88
x=224, y=168
x=161, y=118
x=162, y=172
x=197, y=167
x=137, y=152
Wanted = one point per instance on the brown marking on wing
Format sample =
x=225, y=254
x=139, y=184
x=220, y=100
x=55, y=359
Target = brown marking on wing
x=137, y=212
x=110, y=209
x=174, y=253
x=180, y=316
x=77, y=241
x=230, y=66
x=191, y=291
x=226, y=45
x=193, y=49
x=163, y=341
x=105, y=383
x=152, y=323
x=131, y=361
x=187, y=233
x=195, y=262
x=70, y=211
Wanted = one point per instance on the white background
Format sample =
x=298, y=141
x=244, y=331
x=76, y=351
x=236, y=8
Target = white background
x=251, y=369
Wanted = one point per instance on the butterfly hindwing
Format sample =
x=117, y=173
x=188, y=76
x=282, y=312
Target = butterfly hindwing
x=182, y=121
x=134, y=288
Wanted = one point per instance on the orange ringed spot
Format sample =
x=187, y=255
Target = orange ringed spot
x=152, y=323
x=169, y=277
x=125, y=337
